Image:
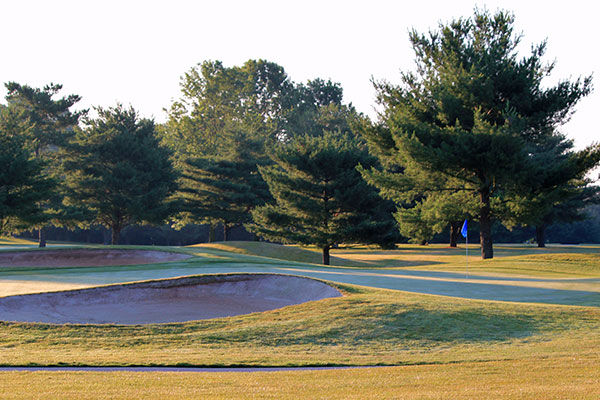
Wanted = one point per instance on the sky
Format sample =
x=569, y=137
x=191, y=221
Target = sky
x=134, y=52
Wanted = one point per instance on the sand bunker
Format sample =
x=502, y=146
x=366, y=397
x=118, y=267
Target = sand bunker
x=170, y=300
x=85, y=257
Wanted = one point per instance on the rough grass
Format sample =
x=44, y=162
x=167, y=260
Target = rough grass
x=448, y=347
x=365, y=327
x=557, y=378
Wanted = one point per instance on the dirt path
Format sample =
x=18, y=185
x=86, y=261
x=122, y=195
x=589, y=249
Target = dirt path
x=178, y=369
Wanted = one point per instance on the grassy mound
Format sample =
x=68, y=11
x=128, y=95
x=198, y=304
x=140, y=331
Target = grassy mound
x=366, y=326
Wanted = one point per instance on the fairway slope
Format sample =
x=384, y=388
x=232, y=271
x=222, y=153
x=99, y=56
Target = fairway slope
x=277, y=251
x=169, y=300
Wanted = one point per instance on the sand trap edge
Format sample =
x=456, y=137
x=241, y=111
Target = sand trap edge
x=68, y=299
x=86, y=257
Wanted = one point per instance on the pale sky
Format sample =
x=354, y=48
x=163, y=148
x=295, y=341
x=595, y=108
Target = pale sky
x=135, y=52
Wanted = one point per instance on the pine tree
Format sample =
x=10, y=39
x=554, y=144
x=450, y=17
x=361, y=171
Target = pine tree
x=560, y=188
x=24, y=184
x=221, y=190
x=320, y=197
x=474, y=112
x=118, y=171
x=50, y=125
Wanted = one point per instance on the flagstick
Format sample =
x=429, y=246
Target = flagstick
x=467, y=257
x=465, y=232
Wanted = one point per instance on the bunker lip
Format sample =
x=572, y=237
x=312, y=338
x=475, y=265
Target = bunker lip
x=86, y=257
x=166, y=301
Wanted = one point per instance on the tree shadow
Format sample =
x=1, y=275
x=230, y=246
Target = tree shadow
x=423, y=327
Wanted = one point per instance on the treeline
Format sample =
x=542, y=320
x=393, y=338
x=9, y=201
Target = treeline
x=471, y=134
x=583, y=231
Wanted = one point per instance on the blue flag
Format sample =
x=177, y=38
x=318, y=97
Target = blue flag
x=463, y=231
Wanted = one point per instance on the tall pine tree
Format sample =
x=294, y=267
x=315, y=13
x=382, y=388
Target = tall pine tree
x=24, y=184
x=474, y=111
x=50, y=125
x=320, y=197
x=118, y=171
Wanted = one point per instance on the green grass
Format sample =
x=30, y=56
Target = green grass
x=510, y=260
x=548, y=265
x=365, y=327
x=306, y=254
x=9, y=241
x=445, y=347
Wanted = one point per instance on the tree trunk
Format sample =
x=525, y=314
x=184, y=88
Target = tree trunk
x=211, y=233
x=454, y=231
x=42, y=237
x=540, y=235
x=326, y=255
x=226, y=232
x=105, y=236
x=485, y=224
x=116, y=233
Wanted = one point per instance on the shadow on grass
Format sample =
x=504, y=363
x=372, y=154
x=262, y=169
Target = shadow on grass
x=394, y=263
x=429, y=327
x=354, y=323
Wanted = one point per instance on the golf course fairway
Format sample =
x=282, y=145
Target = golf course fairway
x=525, y=325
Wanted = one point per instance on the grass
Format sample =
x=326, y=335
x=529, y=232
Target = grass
x=554, y=261
x=442, y=347
x=306, y=254
x=365, y=327
x=558, y=265
x=509, y=260
x=10, y=241
x=557, y=378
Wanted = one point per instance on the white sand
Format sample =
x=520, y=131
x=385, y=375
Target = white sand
x=170, y=300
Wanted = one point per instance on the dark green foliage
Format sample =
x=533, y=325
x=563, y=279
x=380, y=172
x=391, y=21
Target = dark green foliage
x=433, y=213
x=316, y=107
x=23, y=181
x=559, y=188
x=48, y=125
x=50, y=121
x=320, y=197
x=118, y=171
x=226, y=118
x=427, y=202
x=583, y=230
x=216, y=99
x=218, y=132
x=258, y=97
x=474, y=113
x=219, y=190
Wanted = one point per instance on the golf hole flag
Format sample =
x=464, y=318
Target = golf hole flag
x=463, y=231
